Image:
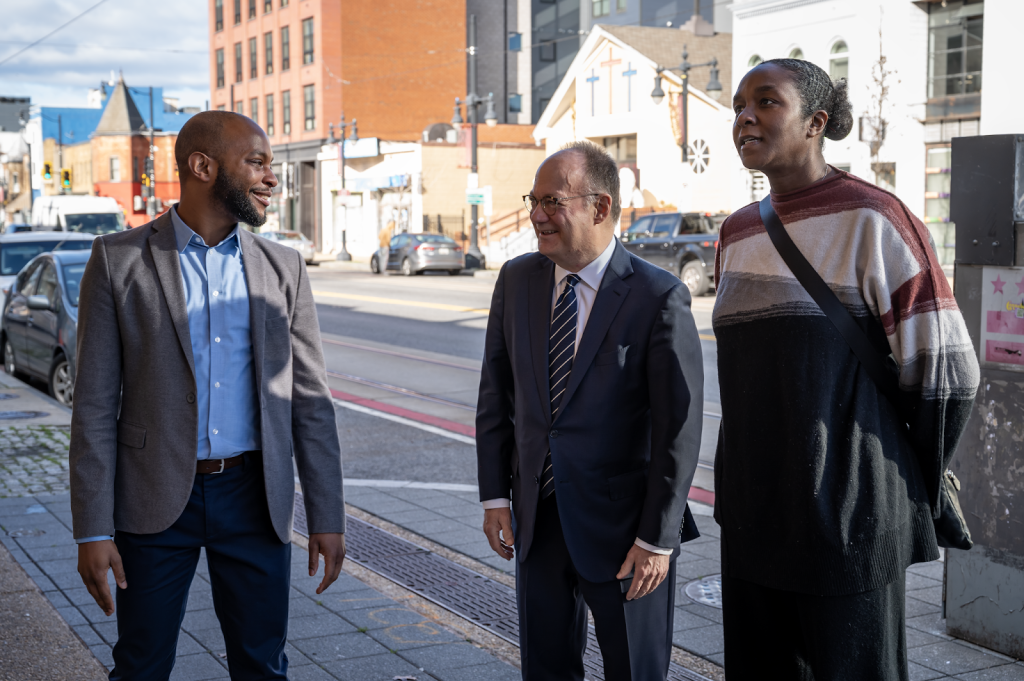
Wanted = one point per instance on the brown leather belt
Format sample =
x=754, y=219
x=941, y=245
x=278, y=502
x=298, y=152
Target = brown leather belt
x=214, y=466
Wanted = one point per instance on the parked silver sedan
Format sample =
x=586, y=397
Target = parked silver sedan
x=296, y=240
x=418, y=253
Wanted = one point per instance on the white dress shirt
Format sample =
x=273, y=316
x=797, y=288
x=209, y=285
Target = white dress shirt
x=586, y=293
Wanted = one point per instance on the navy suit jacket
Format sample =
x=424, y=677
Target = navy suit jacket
x=626, y=439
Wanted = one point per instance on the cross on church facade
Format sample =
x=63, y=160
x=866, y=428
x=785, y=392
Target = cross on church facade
x=610, y=63
x=593, y=79
x=628, y=75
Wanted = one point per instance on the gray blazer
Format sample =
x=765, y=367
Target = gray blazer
x=134, y=424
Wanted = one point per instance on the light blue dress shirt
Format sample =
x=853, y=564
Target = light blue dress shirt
x=217, y=300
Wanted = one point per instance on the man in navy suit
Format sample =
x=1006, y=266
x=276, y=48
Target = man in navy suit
x=589, y=423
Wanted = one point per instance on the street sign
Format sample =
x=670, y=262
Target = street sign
x=364, y=147
x=478, y=197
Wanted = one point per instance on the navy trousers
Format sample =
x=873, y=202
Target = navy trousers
x=635, y=636
x=249, y=573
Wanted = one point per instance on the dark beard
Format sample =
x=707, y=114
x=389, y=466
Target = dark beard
x=237, y=200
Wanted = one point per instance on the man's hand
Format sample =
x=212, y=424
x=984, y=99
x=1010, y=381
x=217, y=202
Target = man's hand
x=649, y=570
x=498, y=528
x=94, y=558
x=332, y=546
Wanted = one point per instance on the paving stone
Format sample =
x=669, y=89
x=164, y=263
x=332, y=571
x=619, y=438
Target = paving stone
x=916, y=607
x=379, y=618
x=684, y=619
x=58, y=599
x=703, y=641
x=711, y=549
x=411, y=516
x=428, y=527
x=699, y=609
x=475, y=549
x=378, y=506
x=211, y=639
x=1006, y=672
x=341, y=647
x=103, y=654
x=326, y=624
x=698, y=569
x=188, y=645
x=950, y=657
x=309, y=673
x=48, y=553
x=88, y=635
x=200, y=619
x=916, y=639
x=197, y=668
x=107, y=630
x=932, y=570
x=450, y=656
x=931, y=594
x=377, y=668
x=295, y=658
x=349, y=601
x=916, y=581
x=494, y=671
x=919, y=673
x=200, y=600
x=304, y=607
x=408, y=636
x=73, y=616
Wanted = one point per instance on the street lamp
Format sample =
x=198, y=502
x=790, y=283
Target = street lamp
x=714, y=88
x=343, y=255
x=473, y=102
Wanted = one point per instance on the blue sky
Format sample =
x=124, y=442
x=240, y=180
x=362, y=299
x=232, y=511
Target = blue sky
x=163, y=43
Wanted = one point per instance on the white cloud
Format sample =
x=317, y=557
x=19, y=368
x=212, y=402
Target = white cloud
x=152, y=43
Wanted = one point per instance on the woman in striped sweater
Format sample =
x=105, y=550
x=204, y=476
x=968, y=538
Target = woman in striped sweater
x=822, y=500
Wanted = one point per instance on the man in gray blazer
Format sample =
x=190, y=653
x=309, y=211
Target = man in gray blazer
x=200, y=377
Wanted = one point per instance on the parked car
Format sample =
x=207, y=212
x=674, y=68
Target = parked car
x=296, y=240
x=88, y=214
x=682, y=243
x=16, y=227
x=418, y=253
x=16, y=250
x=39, y=328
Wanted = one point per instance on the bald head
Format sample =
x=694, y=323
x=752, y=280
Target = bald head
x=212, y=133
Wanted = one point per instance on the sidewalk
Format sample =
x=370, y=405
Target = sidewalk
x=452, y=518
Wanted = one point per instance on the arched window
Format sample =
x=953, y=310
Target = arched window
x=796, y=53
x=754, y=61
x=839, y=61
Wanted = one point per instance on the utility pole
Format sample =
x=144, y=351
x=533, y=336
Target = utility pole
x=151, y=202
x=474, y=238
x=60, y=154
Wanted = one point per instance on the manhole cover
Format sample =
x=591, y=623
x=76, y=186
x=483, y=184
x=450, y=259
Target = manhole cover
x=8, y=396
x=707, y=591
x=26, y=533
x=22, y=414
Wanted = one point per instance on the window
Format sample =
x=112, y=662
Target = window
x=515, y=42
x=115, y=169
x=620, y=5
x=664, y=225
x=269, y=112
x=254, y=109
x=252, y=9
x=796, y=53
x=602, y=8
x=754, y=61
x=547, y=51
x=220, y=107
x=284, y=3
x=955, y=32
x=285, y=49
x=220, y=67
x=238, y=11
x=515, y=103
x=238, y=62
x=268, y=6
x=622, y=149
x=253, y=63
x=218, y=14
x=268, y=52
x=286, y=112
x=309, y=101
x=48, y=284
x=307, y=41
x=839, y=61
x=240, y=107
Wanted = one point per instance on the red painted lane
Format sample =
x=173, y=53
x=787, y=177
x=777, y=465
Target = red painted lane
x=406, y=413
x=697, y=494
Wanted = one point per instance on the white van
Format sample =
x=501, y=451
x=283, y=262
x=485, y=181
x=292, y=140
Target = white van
x=87, y=214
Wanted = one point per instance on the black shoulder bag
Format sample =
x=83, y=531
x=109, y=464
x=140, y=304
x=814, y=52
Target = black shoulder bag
x=950, y=526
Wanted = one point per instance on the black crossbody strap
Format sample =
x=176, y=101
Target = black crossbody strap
x=826, y=299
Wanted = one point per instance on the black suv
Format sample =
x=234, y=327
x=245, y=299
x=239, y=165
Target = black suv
x=682, y=243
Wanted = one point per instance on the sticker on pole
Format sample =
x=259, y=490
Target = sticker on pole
x=1002, y=318
x=478, y=197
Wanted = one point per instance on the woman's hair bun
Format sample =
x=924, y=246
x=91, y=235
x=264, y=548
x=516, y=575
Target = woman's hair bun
x=840, y=113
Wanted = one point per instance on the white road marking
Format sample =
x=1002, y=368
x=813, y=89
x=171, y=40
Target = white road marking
x=458, y=437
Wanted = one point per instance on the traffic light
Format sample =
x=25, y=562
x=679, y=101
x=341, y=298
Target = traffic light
x=47, y=171
x=145, y=180
x=65, y=178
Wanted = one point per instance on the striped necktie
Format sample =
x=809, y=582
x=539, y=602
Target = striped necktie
x=562, y=344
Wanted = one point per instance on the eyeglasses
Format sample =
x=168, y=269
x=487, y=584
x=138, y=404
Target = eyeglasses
x=550, y=204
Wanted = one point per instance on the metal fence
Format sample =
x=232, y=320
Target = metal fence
x=452, y=226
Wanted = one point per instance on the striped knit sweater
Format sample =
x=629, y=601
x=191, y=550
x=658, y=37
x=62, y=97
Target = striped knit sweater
x=818, y=487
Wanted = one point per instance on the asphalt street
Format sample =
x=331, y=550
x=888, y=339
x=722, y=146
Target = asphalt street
x=415, y=343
